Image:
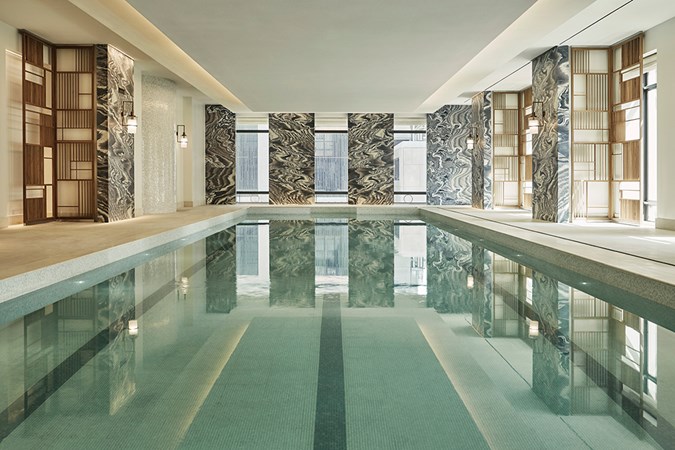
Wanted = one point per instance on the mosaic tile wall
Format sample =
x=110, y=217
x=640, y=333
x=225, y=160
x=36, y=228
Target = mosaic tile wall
x=220, y=153
x=448, y=266
x=291, y=158
x=221, y=271
x=159, y=145
x=371, y=281
x=481, y=165
x=448, y=160
x=371, y=159
x=292, y=263
x=115, y=147
x=551, y=147
x=551, y=356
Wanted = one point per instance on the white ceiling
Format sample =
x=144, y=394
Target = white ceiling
x=337, y=56
x=327, y=55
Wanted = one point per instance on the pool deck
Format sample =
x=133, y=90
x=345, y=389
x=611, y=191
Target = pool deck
x=43, y=254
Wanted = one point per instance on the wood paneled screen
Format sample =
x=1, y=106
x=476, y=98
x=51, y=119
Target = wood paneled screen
x=590, y=132
x=38, y=130
x=505, y=144
x=626, y=136
x=75, y=138
x=525, y=152
x=59, y=110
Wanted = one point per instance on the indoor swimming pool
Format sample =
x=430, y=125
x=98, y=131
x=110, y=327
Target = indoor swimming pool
x=335, y=333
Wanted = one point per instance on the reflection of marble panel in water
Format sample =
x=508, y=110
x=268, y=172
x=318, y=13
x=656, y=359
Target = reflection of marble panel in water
x=551, y=356
x=221, y=271
x=219, y=155
x=483, y=299
x=481, y=167
x=291, y=158
x=551, y=146
x=371, y=159
x=448, y=160
x=448, y=265
x=371, y=263
x=292, y=262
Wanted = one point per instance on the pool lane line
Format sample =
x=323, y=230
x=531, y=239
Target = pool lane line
x=330, y=429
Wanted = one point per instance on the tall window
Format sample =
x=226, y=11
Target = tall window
x=252, y=162
x=331, y=166
x=649, y=141
x=410, y=162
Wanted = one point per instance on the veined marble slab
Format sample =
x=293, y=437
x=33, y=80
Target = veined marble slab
x=481, y=167
x=291, y=158
x=220, y=153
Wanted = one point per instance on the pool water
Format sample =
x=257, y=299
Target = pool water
x=336, y=333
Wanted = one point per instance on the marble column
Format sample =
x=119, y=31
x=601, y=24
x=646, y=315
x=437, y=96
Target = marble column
x=371, y=159
x=114, y=146
x=220, y=153
x=551, y=146
x=291, y=158
x=448, y=160
x=481, y=165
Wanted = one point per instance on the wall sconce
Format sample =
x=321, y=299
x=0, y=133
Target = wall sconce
x=129, y=120
x=533, y=331
x=473, y=135
x=133, y=328
x=535, y=121
x=182, y=139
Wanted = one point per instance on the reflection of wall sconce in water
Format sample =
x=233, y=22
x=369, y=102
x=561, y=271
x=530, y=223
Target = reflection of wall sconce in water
x=535, y=121
x=469, y=282
x=183, y=286
x=182, y=139
x=133, y=328
x=129, y=120
x=534, y=329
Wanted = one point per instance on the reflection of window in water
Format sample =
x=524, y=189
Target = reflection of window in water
x=331, y=248
x=247, y=249
x=410, y=258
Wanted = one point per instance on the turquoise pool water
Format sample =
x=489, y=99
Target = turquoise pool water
x=336, y=333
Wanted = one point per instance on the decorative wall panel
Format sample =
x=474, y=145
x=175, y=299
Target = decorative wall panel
x=159, y=145
x=115, y=147
x=371, y=159
x=551, y=146
x=448, y=160
x=481, y=165
x=551, y=356
x=291, y=158
x=371, y=280
x=221, y=271
x=220, y=153
x=292, y=263
x=448, y=266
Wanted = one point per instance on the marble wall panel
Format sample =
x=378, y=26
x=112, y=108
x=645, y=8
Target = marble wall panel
x=371, y=159
x=448, y=160
x=159, y=145
x=221, y=271
x=481, y=165
x=371, y=263
x=220, y=153
x=483, y=290
x=292, y=263
x=449, y=263
x=115, y=147
x=551, y=146
x=291, y=158
x=551, y=356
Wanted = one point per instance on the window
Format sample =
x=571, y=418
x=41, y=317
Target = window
x=252, y=161
x=410, y=161
x=331, y=166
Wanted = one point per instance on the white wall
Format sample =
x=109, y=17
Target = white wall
x=662, y=39
x=11, y=149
